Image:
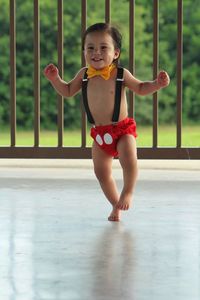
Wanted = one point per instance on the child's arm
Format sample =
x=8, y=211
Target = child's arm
x=146, y=87
x=65, y=89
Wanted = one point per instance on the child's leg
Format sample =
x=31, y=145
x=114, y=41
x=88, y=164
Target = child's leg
x=103, y=171
x=128, y=159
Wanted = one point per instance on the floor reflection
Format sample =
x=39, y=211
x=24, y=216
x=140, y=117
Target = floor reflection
x=114, y=264
x=55, y=244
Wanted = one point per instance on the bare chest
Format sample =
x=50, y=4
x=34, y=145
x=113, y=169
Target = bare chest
x=101, y=94
x=101, y=99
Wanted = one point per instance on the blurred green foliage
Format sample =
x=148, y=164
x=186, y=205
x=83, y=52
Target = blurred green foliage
x=72, y=57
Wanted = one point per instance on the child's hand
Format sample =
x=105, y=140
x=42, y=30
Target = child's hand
x=51, y=72
x=163, y=79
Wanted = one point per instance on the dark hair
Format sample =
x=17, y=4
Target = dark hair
x=105, y=27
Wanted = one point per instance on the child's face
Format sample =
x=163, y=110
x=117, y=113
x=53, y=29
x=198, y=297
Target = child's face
x=100, y=50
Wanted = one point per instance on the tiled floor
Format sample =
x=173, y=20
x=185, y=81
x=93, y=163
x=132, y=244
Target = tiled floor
x=56, y=242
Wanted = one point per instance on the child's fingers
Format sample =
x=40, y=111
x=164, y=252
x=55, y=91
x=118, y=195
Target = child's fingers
x=47, y=69
x=50, y=69
x=163, y=78
x=163, y=75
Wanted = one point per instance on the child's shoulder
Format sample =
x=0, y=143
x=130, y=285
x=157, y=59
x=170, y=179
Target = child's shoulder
x=127, y=73
x=81, y=72
x=83, y=69
x=126, y=70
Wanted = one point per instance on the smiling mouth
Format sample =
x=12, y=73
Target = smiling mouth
x=97, y=59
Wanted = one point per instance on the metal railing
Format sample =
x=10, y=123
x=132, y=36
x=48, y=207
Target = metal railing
x=36, y=151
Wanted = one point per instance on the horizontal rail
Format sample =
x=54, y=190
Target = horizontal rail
x=85, y=152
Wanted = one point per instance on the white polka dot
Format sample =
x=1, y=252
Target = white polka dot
x=108, y=139
x=99, y=140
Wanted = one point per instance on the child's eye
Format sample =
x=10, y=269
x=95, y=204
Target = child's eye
x=103, y=47
x=90, y=48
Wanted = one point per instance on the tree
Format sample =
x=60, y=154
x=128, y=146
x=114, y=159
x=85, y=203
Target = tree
x=72, y=57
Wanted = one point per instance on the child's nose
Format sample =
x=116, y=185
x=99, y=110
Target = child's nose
x=97, y=50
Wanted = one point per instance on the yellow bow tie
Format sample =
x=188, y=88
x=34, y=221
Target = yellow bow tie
x=104, y=73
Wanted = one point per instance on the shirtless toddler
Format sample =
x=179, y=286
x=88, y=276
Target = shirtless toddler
x=113, y=132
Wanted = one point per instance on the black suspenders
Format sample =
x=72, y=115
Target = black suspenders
x=85, y=99
x=118, y=87
x=119, y=80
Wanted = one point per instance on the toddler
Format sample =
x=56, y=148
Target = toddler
x=103, y=85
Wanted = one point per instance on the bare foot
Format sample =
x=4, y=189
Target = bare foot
x=115, y=215
x=124, y=201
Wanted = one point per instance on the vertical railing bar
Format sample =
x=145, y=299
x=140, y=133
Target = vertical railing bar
x=83, y=28
x=107, y=11
x=36, y=73
x=131, y=53
x=179, y=71
x=60, y=68
x=155, y=69
x=13, y=73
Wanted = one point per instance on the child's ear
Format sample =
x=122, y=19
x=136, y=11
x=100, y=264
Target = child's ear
x=117, y=53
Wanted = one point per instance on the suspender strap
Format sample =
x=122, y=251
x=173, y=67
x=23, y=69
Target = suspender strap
x=119, y=80
x=118, y=88
x=85, y=99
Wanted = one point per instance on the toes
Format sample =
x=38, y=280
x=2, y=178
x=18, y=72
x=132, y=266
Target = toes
x=122, y=206
x=113, y=218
